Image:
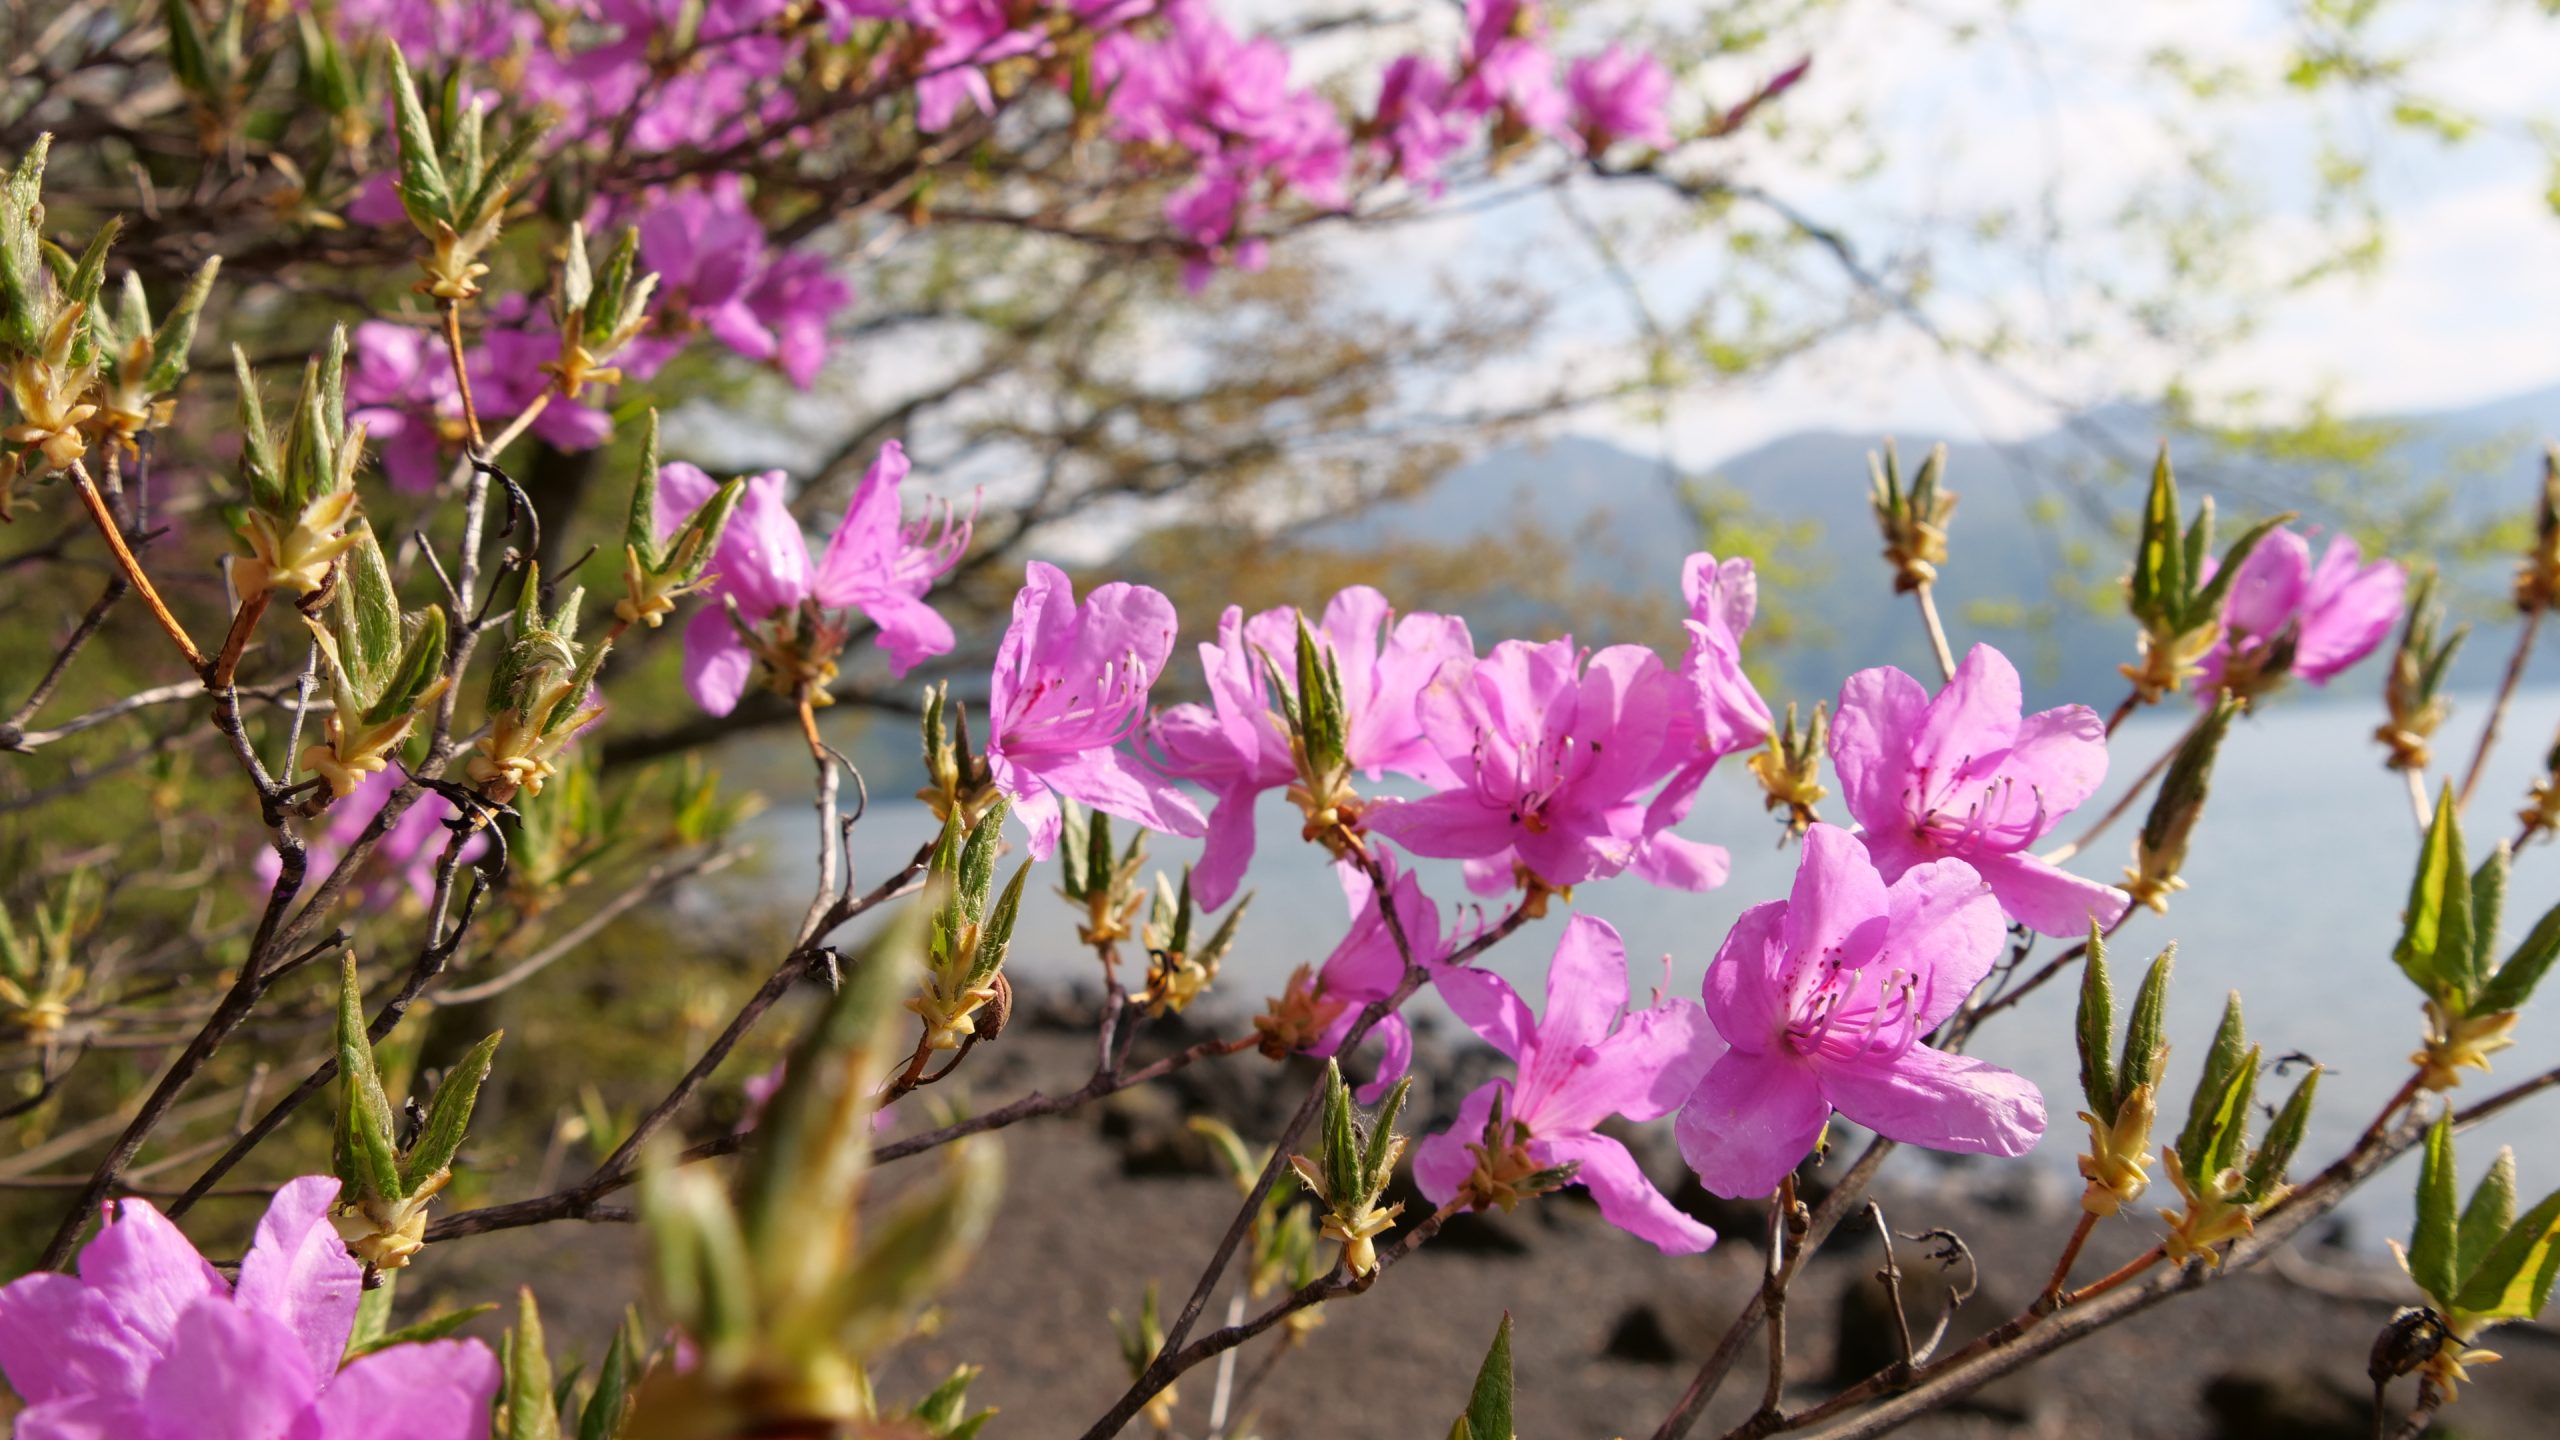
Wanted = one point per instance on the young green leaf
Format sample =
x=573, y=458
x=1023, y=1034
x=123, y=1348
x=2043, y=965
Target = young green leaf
x=2208, y=1112
x=2490, y=1214
x=2435, y=936
x=2514, y=982
x=2266, y=1168
x=2434, y=1243
x=435, y=1327
x=449, y=1114
x=2144, y=1042
x=2095, y=1030
x=526, y=1410
x=1488, y=1414
x=2514, y=1278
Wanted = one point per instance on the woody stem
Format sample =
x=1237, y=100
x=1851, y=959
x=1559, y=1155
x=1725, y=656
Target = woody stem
x=2498, y=708
x=2070, y=1254
x=462, y=375
x=132, y=568
x=1937, y=629
x=2130, y=1269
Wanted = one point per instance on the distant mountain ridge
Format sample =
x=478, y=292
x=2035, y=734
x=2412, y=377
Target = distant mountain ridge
x=2032, y=511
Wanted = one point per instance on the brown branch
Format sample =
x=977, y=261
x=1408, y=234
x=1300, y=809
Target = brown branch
x=2498, y=708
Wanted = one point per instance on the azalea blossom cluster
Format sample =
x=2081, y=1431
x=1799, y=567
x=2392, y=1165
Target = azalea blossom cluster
x=1216, y=115
x=1544, y=767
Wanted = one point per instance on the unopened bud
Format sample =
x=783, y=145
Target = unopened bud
x=1912, y=521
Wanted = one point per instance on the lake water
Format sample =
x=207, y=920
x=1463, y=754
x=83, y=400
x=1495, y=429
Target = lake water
x=2298, y=876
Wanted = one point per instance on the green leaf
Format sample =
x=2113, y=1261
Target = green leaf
x=2433, y=1242
x=1379, y=1159
x=177, y=333
x=2514, y=982
x=368, y=616
x=1488, y=1414
x=2435, y=935
x=2490, y=1214
x=424, y=192
x=2160, y=561
x=2284, y=1137
x=2488, y=901
x=526, y=1410
x=2144, y=1042
x=1074, y=849
x=261, y=472
x=997, y=936
x=978, y=861
x=1342, y=1169
x=2231, y=1120
x=373, y=1315
x=2095, y=1030
x=449, y=1113
x=2514, y=1278
x=2208, y=1111
x=610, y=1401
x=421, y=665
x=365, y=1120
x=434, y=1328
x=640, y=526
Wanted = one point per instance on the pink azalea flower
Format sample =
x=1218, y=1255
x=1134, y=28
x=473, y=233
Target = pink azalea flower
x=148, y=1342
x=877, y=562
x=1071, y=683
x=1508, y=67
x=1550, y=761
x=1620, y=94
x=1367, y=966
x=404, y=859
x=1413, y=124
x=1721, y=714
x=967, y=36
x=1824, y=997
x=1963, y=775
x=2336, y=612
x=1578, y=1064
x=1235, y=748
x=400, y=388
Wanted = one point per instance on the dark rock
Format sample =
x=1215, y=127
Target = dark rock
x=2253, y=1404
x=1640, y=1337
x=1744, y=1221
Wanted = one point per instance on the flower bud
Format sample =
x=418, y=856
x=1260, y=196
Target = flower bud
x=302, y=495
x=2412, y=690
x=1104, y=887
x=1177, y=973
x=1789, y=768
x=2160, y=851
x=383, y=669
x=2538, y=578
x=387, y=1186
x=1913, y=521
x=1353, y=1171
x=454, y=188
x=38, y=981
x=597, y=314
x=656, y=575
x=534, y=696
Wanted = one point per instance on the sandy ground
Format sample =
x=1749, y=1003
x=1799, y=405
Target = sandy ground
x=1607, y=1330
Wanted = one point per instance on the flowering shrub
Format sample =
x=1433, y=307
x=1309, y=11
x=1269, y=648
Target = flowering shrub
x=577, y=199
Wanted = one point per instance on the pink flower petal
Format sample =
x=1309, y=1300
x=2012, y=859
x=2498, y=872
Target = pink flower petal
x=1626, y=1195
x=298, y=1271
x=1751, y=1121
x=1946, y=1102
